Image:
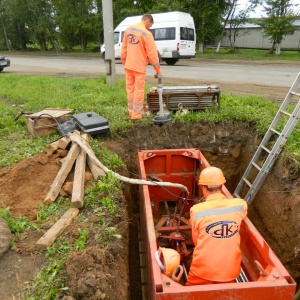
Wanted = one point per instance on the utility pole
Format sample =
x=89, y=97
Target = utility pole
x=109, y=41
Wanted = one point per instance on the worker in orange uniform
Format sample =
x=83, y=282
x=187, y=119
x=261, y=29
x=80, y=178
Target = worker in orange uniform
x=215, y=232
x=138, y=48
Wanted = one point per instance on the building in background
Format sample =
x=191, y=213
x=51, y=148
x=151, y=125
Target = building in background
x=251, y=36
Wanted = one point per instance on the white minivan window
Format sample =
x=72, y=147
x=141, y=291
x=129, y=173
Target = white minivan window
x=116, y=37
x=187, y=34
x=161, y=34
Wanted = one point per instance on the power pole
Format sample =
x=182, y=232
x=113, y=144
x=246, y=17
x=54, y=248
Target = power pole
x=108, y=25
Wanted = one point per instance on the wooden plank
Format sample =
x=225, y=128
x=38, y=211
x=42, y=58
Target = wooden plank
x=79, y=175
x=96, y=170
x=54, y=112
x=59, y=144
x=62, y=174
x=50, y=236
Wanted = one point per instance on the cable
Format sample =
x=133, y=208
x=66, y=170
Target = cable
x=57, y=124
x=76, y=138
x=176, y=196
x=38, y=118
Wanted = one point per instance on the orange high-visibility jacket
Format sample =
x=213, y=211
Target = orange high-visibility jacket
x=215, y=231
x=138, y=47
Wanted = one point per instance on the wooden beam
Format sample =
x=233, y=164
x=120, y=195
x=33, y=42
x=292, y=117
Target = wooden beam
x=59, y=144
x=50, y=236
x=62, y=174
x=96, y=170
x=78, y=181
x=94, y=164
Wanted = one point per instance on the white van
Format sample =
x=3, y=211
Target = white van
x=173, y=32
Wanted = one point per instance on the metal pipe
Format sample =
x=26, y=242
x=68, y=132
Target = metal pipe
x=184, y=271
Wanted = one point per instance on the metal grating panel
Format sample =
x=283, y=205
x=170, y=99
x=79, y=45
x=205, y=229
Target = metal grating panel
x=189, y=97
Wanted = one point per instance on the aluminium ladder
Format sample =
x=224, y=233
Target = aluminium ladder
x=265, y=156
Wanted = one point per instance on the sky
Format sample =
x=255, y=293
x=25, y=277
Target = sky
x=259, y=11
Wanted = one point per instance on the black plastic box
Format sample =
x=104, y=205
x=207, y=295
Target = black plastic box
x=91, y=123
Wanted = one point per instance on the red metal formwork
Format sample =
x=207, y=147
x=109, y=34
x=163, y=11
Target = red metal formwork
x=266, y=277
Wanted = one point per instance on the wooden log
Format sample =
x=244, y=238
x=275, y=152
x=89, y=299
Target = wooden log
x=62, y=174
x=79, y=176
x=50, y=236
x=59, y=144
x=96, y=170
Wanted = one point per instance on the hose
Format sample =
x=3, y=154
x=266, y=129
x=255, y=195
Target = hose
x=81, y=142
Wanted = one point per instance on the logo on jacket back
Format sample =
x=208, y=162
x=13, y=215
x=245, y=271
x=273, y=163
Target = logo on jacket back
x=222, y=229
x=132, y=39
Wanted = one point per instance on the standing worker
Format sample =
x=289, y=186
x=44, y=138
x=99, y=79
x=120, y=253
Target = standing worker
x=138, y=48
x=215, y=232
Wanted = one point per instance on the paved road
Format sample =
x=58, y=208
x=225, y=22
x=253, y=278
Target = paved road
x=273, y=74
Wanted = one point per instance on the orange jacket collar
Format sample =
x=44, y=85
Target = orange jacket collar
x=215, y=196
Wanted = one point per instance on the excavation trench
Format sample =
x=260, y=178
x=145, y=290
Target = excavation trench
x=275, y=211
x=113, y=272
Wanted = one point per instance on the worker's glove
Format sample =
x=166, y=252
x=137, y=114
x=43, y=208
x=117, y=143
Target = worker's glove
x=157, y=70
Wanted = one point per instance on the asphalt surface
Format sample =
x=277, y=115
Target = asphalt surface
x=263, y=73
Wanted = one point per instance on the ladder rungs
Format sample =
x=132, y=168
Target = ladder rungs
x=275, y=131
x=266, y=149
x=286, y=113
x=236, y=195
x=257, y=179
x=256, y=166
x=247, y=182
x=296, y=94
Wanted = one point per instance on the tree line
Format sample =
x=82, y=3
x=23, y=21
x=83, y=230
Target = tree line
x=64, y=24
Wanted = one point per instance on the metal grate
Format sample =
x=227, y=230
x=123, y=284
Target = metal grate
x=189, y=97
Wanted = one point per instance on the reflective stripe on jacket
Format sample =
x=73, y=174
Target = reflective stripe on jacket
x=215, y=231
x=139, y=48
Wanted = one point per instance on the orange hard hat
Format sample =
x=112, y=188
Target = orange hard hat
x=212, y=176
x=170, y=259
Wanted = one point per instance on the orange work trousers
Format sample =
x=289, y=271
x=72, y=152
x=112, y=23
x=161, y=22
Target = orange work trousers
x=195, y=280
x=135, y=88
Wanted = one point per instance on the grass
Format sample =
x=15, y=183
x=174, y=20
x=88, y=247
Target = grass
x=34, y=93
x=209, y=53
x=249, y=54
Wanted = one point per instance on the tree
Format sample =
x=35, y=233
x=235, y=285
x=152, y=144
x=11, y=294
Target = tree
x=7, y=42
x=15, y=14
x=279, y=21
x=42, y=24
x=208, y=17
x=78, y=22
x=234, y=18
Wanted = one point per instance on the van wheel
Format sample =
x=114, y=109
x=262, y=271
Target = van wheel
x=171, y=61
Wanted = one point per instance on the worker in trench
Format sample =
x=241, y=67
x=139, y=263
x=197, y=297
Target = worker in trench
x=138, y=48
x=215, y=231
